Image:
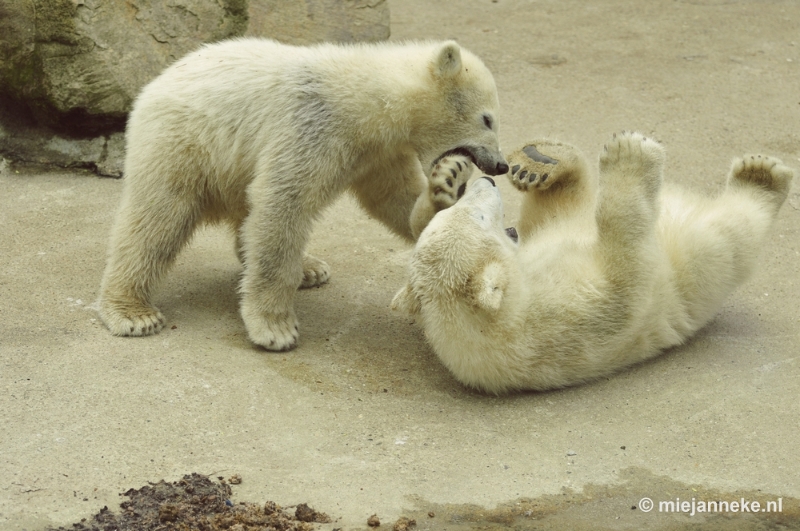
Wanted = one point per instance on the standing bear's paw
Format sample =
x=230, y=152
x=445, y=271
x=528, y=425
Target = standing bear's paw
x=315, y=272
x=766, y=173
x=131, y=319
x=273, y=331
x=448, y=180
x=544, y=164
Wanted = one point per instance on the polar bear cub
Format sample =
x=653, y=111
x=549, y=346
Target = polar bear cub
x=264, y=136
x=605, y=275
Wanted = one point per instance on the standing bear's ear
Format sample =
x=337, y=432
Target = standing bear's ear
x=448, y=60
x=488, y=287
x=405, y=301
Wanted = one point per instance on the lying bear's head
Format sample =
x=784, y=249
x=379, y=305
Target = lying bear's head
x=460, y=257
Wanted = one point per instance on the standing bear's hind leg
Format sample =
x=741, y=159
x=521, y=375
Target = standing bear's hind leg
x=147, y=236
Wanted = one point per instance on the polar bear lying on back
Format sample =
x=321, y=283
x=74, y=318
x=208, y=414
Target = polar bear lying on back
x=604, y=276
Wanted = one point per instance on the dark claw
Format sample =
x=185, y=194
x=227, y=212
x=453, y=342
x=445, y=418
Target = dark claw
x=515, y=168
x=459, y=166
x=532, y=177
x=454, y=172
x=545, y=176
x=523, y=174
x=462, y=189
x=449, y=182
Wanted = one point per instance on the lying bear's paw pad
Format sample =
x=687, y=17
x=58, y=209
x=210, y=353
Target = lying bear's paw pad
x=762, y=171
x=531, y=169
x=448, y=180
x=633, y=150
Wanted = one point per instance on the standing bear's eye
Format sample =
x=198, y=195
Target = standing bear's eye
x=487, y=121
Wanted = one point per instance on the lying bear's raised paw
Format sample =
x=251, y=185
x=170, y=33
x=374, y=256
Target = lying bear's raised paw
x=533, y=170
x=448, y=180
x=767, y=173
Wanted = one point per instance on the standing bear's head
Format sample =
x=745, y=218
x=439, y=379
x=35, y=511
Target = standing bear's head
x=456, y=110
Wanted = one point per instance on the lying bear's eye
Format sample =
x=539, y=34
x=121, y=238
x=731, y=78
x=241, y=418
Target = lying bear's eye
x=487, y=121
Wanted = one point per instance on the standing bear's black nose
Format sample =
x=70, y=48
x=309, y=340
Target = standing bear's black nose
x=502, y=168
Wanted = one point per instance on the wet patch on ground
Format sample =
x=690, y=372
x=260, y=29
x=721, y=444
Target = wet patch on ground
x=621, y=507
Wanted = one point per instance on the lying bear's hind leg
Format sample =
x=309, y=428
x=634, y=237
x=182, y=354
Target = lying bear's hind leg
x=714, y=244
x=631, y=172
x=762, y=176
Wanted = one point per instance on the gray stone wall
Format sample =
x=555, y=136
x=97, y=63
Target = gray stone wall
x=71, y=69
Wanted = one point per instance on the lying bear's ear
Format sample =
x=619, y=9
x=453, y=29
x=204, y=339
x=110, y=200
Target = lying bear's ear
x=489, y=286
x=405, y=301
x=448, y=60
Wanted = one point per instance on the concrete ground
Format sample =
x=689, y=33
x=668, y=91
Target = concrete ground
x=362, y=418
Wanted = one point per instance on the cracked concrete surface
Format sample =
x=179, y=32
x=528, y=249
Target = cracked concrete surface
x=362, y=418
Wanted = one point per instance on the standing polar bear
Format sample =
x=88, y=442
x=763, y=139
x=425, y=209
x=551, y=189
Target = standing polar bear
x=264, y=136
x=605, y=274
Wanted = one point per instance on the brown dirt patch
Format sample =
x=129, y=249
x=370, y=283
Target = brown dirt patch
x=197, y=503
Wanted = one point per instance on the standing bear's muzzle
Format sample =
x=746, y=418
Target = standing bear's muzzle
x=489, y=161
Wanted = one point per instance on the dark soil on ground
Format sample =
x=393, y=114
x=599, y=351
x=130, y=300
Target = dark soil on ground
x=197, y=503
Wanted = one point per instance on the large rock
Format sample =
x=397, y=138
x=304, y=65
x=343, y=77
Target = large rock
x=78, y=64
x=310, y=21
x=71, y=69
x=22, y=142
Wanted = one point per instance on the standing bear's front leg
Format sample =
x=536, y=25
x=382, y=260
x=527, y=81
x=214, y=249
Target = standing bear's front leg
x=405, y=199
x=273, y=240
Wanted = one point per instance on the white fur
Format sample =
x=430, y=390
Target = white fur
x=604, y=276
x=264, y=136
